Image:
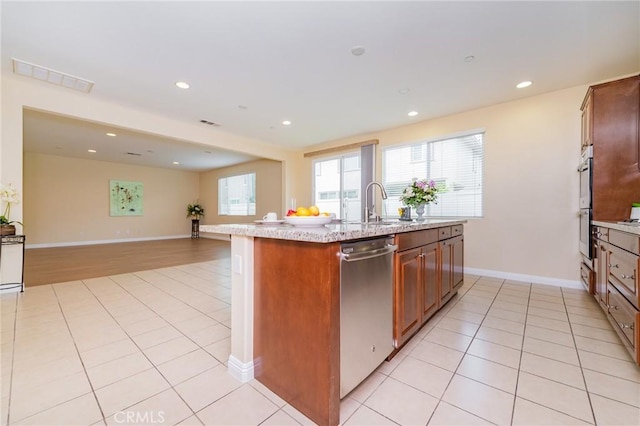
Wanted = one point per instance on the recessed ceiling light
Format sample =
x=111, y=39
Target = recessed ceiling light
x=111, y=134
x=176, y=162
x=182, y=84
x=92, y=150
x=404, y=91
x=286, y=123
x=357, y=50
x=412, y=113
x=469, y=58
x=524, y=84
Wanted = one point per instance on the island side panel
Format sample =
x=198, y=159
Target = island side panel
x=297, y=324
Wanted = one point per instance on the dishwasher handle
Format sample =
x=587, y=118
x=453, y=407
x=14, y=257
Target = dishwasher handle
x=354, y=257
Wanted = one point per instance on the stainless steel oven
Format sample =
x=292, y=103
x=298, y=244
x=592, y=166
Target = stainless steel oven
x=586, y=207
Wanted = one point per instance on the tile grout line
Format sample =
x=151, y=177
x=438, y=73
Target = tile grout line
x=584, y=379
x=465, y=351
x=524, y=333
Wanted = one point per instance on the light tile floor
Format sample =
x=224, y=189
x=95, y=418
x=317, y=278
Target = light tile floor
x=151, y=348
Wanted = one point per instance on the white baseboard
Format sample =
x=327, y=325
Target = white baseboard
x=558, y=282
x=242, y=371
x=89, y=243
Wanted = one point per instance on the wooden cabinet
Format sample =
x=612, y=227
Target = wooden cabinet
x=617, y=291
x=430, y=266
x=452, y=251
x=587, y=111
x=429, y=269
x=408, y=289
x=611, y=123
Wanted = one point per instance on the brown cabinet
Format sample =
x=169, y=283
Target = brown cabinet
x=452, y=251
x=428, y=272
x=611, y=123
x=587, y=107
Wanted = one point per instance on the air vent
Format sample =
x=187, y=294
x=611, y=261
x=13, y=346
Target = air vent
x=134, y=154
x=210, y=123
x=51, y=76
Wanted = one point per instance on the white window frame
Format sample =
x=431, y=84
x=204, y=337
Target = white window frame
x=226, y=199
x=394, y=187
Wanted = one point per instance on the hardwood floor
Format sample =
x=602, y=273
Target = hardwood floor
x=60, y=264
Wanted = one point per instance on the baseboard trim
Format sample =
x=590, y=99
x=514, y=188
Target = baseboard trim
x=558, y=282
x=89, y=243
x=241, y=371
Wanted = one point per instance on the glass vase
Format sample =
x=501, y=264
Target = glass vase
x=420, y=211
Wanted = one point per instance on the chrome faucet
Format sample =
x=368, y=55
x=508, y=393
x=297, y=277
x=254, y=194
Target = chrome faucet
x=367, y=212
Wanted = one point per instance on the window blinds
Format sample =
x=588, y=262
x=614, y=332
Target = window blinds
x=455, y=164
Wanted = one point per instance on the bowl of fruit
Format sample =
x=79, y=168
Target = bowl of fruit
x=311, y=216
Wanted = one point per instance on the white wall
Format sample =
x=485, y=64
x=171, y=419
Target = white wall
x=532, y=148
x=66, y=201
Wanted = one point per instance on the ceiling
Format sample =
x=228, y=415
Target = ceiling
x=252, y=65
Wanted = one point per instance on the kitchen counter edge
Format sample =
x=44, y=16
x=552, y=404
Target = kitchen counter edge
x=631, y=229
x=328, y=233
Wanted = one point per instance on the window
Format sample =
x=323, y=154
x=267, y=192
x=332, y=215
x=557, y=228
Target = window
x=336, y=186
x=455, y=164
x=237, y=195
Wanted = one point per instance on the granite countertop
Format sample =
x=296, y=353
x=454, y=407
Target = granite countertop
x=632, y=229
x=327, y=233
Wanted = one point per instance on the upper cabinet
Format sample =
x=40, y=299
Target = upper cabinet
x=611, y=123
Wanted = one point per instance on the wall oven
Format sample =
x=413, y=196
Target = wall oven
x=586, y=208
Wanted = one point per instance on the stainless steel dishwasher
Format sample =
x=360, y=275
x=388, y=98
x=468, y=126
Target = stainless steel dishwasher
x=366, y=308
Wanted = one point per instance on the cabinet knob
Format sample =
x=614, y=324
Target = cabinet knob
x=628, y=277
x=613, y=266
x=623, y=325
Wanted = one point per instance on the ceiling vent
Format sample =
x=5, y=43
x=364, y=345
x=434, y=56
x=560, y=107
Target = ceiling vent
x=210, y=123
x=134, y=154
x=51, y=76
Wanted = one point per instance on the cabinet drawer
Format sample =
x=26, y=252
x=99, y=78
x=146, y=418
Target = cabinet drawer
x=456, y=230
x=623, y=267
x=624, y=316
x=444, y=233
x=629, y=242
x=409, y=240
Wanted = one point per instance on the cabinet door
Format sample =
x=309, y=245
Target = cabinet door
x=431, y=274
x=586, y=121
x=457, y=262
x=407, y=300
x=602, y=274
x=446, y=280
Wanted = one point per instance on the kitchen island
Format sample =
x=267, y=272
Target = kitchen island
x=285, y=308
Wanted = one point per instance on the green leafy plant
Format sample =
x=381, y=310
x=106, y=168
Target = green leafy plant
x=195, y=210
x=8, y=195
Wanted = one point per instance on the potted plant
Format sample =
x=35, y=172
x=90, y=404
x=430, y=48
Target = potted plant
x=194, y=211
x=418, y=194
x=8, y=195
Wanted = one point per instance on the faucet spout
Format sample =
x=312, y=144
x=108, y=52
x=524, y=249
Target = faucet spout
x=383, y=193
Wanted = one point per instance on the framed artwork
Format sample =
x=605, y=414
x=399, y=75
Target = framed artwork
x=126, y=198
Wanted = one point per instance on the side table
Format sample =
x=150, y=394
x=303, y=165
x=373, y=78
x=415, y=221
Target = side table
x=12, y=240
